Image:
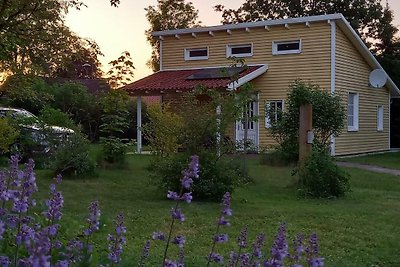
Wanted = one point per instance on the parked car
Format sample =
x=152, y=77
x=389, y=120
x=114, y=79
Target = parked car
x=35, y=136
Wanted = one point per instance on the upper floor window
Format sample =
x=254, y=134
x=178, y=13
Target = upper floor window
x=273, y=112
x=379, y=118
x=241, y=50
x=352, y=112
x=286, y=47
x=196, y=53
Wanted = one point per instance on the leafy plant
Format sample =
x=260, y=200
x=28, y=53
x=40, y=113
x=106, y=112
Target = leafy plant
x=163, y=130
x=320, y=177
x=328, y=118
x=219, y=174
x=8, y=135
x=56, y=117
x=72, y=157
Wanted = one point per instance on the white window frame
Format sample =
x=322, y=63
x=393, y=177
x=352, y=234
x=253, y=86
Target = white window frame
x=188, y=50
x=275, y=50
x=354, y=127
x=379, y=118
x=266, y=108
x=229, y=50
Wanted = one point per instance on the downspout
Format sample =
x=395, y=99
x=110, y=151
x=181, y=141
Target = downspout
x=333, y=75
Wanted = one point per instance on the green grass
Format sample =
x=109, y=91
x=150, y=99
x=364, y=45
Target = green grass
x=389, y=160
x=359, y=230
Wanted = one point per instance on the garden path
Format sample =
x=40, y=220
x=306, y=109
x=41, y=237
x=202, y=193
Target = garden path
x=372, y=168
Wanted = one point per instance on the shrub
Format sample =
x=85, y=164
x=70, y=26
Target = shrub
x=218, y=175
x=72, y=157
x=320, y=177
x=56, y=117
x=163, y=130
x=277, y=157
x=8, y=135
x=328, y=118
x=113, y=150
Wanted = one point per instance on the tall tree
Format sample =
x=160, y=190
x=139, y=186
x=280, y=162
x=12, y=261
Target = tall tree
x=362, y=14
x=168, y=15
x=121, y=71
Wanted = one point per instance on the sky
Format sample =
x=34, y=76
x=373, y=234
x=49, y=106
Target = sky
x=122, y=29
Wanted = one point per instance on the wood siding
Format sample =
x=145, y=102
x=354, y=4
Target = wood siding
x=312, y=64
x=352, y=73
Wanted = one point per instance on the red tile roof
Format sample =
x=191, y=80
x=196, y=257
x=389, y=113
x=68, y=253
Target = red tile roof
x=172, y=80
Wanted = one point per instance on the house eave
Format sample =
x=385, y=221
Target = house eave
x=249, y=25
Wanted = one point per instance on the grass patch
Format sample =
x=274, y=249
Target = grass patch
x=359, y=230
x=389, y=160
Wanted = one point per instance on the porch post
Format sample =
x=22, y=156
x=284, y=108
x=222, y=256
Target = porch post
x=139, y=125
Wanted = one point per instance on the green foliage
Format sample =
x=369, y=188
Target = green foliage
x=35, y=39
x=113, y=150
x=8, y=135
x=27, y=91
x=56, y=117
x=168, y=15
x=115, y=121
x=218, y=174
x=163, y=130
x=72, y=157
x=320, y=177
x=363, y=16
x=121, y=71
x=328, y=118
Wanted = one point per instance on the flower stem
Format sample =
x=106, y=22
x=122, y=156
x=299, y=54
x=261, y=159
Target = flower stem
x=213, y=246
x=169, y=235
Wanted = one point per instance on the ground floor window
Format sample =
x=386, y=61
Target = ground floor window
x=379, y=118
x=352, y=112
x=273, y=112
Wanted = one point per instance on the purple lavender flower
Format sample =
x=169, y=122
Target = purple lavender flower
x=217, y=258
x=233, y=257
x=279, y=249
x=298, y=248
x=93, y=219
x=145, y=253
x=257, y=246
x=172, y=195
x=187, y=197
x=25, y=235
x=177, y=214
x=221, y=238
x=226, y=204
x=4, y=261
x=242, y=239
x=117, y=241
x=244, y=259
x=54, y=205
x=223, y=221
x=179, y=240
x=170, y=263
x=63, y=263
x=192, y=172
x=158, y=236
x=73, y=251
x=312, y=251
x=2, y=229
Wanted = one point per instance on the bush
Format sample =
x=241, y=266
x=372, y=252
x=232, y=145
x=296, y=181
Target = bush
x=218, y=175
x=72, y=157
x=56, y=117
x=113, y=150
x=320, y=177
x=8, y=135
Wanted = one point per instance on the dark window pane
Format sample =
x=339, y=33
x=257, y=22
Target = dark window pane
x=198, y=53
x=288, y=46
x=241, y=50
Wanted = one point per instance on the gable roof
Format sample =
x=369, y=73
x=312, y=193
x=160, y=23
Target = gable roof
x=171, y=81
x=338, y=18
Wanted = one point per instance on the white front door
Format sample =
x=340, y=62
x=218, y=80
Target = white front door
x=250, y=121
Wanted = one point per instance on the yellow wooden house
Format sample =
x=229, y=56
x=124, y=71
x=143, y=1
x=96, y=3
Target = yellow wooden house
x=322, y=49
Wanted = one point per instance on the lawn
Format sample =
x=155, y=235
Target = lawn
x=359, y=230
x=389, y=160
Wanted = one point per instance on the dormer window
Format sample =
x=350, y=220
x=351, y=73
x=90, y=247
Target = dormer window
x=196, y=53
x=241, y=50
x=286, y=47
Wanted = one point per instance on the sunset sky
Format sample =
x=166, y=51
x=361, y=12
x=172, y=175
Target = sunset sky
x=122, y=29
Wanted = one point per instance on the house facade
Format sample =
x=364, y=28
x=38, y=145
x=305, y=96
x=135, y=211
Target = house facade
x=323, y=50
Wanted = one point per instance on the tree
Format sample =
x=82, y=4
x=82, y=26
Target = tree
x=168, y=15
x=328, y=118
x=35, y=39
x=121, y=72
x=362, y=14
